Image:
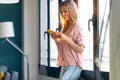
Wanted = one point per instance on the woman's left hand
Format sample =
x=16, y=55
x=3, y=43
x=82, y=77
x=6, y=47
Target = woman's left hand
x=63, y=37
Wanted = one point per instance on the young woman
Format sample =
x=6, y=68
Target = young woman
x=70, y=42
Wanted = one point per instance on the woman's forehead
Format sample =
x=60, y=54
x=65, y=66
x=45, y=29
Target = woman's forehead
x=63, y=8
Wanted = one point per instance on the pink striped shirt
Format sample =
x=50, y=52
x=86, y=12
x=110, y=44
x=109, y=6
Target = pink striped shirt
x=66, y=55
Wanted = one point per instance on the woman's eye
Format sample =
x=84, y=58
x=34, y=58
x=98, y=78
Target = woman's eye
x=62, y=12
x=65, y=11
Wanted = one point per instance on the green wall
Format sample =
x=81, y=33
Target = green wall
x=9, y=56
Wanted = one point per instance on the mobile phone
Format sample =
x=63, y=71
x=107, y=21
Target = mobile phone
x=50, y=31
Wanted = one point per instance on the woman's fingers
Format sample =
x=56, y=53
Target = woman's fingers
x=56, y=35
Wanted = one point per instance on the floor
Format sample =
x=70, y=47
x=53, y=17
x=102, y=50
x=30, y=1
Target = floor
x=42, y=77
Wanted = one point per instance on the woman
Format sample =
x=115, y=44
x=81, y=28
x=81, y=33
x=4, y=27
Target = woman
x=69, y=42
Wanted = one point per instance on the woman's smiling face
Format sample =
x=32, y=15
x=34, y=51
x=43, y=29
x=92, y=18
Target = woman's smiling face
x=65, y=13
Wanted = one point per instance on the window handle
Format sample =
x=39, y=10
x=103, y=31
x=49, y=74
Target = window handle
x=58, y=29
x=46, y=32
x=94, y=22
x=90, y=20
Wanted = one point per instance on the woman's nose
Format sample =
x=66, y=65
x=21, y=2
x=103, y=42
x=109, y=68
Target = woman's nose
x=63, y=13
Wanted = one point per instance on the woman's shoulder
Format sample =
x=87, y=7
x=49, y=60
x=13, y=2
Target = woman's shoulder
x=77, y=26
x=77, y=31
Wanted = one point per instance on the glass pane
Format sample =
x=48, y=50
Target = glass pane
x=85, y=13
x=104, y=6
x=53, y=25
x=43, y=28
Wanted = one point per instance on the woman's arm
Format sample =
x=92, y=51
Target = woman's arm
x=76, y=47
x=57, y=36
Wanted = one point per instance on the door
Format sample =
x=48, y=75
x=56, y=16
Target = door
x=100, y=22
x=48, y=50
x=93, y=16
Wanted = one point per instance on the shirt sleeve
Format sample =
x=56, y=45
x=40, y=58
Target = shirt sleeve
x=78, y=36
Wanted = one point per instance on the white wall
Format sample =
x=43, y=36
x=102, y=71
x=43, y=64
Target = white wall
x=31, y=33
x=115, y=41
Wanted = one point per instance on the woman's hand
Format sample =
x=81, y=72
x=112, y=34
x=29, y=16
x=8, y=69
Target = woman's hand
x=56, y=35
x=64, y=37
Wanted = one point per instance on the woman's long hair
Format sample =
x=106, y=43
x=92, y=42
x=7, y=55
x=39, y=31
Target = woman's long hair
x=72, y=8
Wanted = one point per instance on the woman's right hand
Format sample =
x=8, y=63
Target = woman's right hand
x=56, y=35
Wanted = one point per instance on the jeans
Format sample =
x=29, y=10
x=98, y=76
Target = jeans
x=70, y=73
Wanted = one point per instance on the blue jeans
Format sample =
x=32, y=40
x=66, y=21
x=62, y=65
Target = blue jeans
x=70, y=73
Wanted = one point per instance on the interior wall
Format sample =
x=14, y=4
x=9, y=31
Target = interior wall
x=10, y=56
x=114, y=40
x=31, y=36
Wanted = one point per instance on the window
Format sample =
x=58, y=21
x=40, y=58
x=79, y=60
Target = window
x=85, y=13
x=43, y=28
x=104, y=6
x=48, y=49
x=53, y=25
x=49, y=19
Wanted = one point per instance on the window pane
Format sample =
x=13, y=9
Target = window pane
x=104, y=6
x=53, y=25
x=85, y=13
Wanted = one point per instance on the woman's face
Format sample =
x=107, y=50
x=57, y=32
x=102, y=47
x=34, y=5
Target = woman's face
x=65, y=13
